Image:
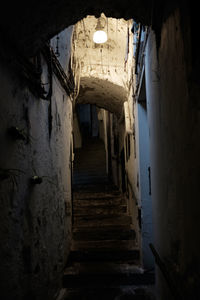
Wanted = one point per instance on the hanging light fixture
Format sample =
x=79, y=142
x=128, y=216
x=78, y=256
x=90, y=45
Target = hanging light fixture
x=100, y=36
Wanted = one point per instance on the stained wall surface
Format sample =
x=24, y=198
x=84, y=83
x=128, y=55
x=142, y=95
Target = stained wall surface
x=35, y=187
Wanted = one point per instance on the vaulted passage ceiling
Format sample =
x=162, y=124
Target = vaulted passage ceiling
x=104, y=69
x=103, y=93
x=28, y=25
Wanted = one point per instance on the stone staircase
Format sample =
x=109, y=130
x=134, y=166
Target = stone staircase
x=90, y=164
x=104, y=262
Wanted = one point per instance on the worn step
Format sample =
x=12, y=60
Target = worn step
x=98, y=201
x=110, y=293
x=89, y=174
x=99, y=210
x=96, y=279
x=87, y=167
x=104, y=267
x=104, y=244
x=91, y=179
x=85, y=195
x=94, y=188
x=104, y=233
x=104, y=219
x=88, y=195
x=105, y=254
x=103, y=228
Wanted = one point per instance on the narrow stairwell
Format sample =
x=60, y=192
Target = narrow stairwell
x=90, y=164
x=104, y=262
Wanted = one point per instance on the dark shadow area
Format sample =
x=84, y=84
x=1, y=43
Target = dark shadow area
x=90, y=159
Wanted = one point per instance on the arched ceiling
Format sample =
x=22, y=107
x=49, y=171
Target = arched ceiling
x=105, y=69
x=103, y=93
x=28, y=25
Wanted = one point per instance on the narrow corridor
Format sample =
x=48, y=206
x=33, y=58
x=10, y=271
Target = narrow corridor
x=90, y=164
x=104, y=262
x=138, y=90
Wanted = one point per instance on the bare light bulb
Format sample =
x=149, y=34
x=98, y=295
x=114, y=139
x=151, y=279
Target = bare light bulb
x=100, y=37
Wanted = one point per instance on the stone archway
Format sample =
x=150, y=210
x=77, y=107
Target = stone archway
x=28, y=26
x=102, y=93
x=103, y=70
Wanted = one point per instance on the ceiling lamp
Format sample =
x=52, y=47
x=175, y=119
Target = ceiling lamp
x=100, y=36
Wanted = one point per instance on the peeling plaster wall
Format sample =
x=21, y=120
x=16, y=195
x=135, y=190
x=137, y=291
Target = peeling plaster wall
x=103, y=69
x=35, y=222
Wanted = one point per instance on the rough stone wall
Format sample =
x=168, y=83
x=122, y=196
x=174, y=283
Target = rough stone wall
x=174, y=118
x=35, y=222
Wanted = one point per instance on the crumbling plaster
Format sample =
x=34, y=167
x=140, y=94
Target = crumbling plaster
x=103, y=93
x=103, y=68
x=35, y=185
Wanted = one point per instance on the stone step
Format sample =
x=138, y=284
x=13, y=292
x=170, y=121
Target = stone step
x=78, y=268
x=104, y=233
x=91, y=179
x=99, y=210
x=98, y=202
x=105, y=279
x=89, y=165
x=90, y=174
x=86, y=195
x=105, y=254
x=103, y=219
x=104, y=244
x=110, y=293
x=103, y=228
x=94, y=188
